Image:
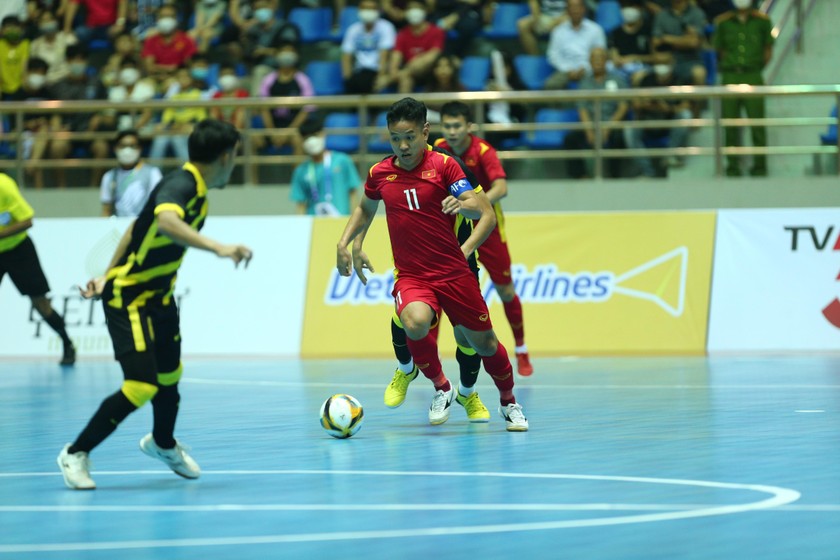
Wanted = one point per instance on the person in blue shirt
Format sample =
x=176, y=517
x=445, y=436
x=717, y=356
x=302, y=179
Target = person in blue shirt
x=326, y=184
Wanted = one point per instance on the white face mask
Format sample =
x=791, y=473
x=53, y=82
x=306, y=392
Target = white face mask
x=128, y=156
x=167, y=25
x=36, y=81
x=415, y=16
x=314, y=145
x=661, y=70
x=368, y=16
x=129, y=76
x=742, y=4
x=631, y=15
x=287, y=59
x=228, y=82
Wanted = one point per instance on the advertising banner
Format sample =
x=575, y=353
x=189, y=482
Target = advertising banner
x=589, y=284
x=224, y=311
x=776, y=279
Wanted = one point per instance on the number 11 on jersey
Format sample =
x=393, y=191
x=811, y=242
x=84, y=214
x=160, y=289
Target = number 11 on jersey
x=411, y=198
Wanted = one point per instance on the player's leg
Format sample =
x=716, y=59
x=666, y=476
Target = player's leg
x=161, y=443
x=406, y=370
x=469, y=363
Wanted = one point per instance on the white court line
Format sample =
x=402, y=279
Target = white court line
x=778, y=497
x=809, y=411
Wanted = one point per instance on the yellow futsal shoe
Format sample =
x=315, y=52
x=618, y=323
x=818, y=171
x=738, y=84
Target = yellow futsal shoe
x=476, y=411
x=395, y=392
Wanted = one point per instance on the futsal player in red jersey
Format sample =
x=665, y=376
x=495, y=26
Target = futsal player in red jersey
x=424, y=193
x=482, y=160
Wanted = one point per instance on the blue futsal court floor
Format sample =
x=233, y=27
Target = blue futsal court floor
x=639, y=458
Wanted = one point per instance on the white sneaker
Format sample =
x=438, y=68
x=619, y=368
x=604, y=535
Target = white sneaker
x=76, y=469
x=176, y=458
x=439, y=411
x=514, y=417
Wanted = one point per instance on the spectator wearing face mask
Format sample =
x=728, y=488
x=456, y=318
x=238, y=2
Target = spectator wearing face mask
x=104, y=19
x=629, y=44
x=130, y=86
x=207, y=24
x=229, y=88
x=169, y=48
x=325, y=184
x=263, y=40
x=176, y=124
x=364, y=50
x=242, y=17
x=14, y=52
x=51, y=46
x=417, y=47
x=125, y=188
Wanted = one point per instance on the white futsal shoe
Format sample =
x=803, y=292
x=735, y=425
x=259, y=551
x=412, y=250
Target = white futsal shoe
x=176, y=458
x=75, y=468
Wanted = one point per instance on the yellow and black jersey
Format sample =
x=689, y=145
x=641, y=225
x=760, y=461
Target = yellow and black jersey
x=148, y=269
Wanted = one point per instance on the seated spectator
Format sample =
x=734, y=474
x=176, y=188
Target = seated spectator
x=14, y=52
x=364, y=50
x=679, y=30
x=125, y=46
x=630, y=44
x=504, y=78
x=544, y=17
x=125, y=189
x=229, y=88
x=570, y=45
x=417, y=46
x=326, y=183
x=646, y=109
x=612, y=111
x=142, y=17
x=169, y=48
x=466, y=18
x=103, y=19
x=176, y=124
x=444, y=79
x=242, y=14
x=208, y=23
x=263, y=39
x=286, y=81
x=131, y=86
x=394, y=11
x=51, y=46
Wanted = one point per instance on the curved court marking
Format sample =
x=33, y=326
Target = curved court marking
x=778, y=497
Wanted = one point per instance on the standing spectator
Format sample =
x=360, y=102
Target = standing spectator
x=263, y=40
x=229, y=88
x=325, y=184
x=104, y=19
x=14, y=53
x=51, y=46
x=544, y=17
x=744, y=42
x=630, y=43
x=125, y=188
x=176, y=125
x=570, y=45
x=169, y=48
x=679, y=30
x=208, y=24
x=612, y=111
x=417, y=47
x=364, y=50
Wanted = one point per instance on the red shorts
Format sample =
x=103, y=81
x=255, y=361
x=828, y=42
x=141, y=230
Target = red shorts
x=494, y=256
x=460, y=299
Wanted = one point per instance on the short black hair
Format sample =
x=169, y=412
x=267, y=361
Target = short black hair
x=37, y=64
x=457, y=109
x=210, y=139
x=127, y=132
x=407, y=109
x=74, y=51
x=129, y=61
x=312, y=125
x=11, y=20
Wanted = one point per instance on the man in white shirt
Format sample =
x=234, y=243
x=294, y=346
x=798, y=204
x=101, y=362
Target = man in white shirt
x=365, y=49
x=126, y=188
x=570, y=44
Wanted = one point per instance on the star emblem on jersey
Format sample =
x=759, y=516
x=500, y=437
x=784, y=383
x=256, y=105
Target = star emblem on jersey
x=428, y=174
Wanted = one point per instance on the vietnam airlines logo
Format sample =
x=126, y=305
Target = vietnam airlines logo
x=391, y=177
x=428, y=174
x=813, y=237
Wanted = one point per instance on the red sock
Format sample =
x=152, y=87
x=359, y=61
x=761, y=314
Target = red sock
x=513, y=311
x=425, y=354
x=499, y=368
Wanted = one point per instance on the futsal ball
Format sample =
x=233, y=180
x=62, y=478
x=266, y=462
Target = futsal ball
x=341, y=416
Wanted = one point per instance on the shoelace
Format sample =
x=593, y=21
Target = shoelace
x=439, y=402
x=515, y=413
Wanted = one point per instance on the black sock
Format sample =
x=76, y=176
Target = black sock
x=470, y=366
x=56, y=323
x=400, y=345
x=111, y=413
x=165, y=411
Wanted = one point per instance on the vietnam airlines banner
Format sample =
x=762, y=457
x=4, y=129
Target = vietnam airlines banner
x=589, y=284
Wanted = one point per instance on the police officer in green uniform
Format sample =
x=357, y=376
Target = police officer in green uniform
x=744, y=43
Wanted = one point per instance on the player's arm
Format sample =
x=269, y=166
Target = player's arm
x=16, y=228
x=171, y=225
x=94, y=286
x=485, y=222
x=358, y=224
x=498, y=190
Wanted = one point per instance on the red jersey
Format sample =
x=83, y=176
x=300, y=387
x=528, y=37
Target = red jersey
x=410, y=45
x=100, y=13
x=423, y=238
x=176, y=52
x=482, y=160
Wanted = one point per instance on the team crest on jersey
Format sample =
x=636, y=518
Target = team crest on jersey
x=471, y=162
x=428, y=174
x=483, y=317
x=391, y=177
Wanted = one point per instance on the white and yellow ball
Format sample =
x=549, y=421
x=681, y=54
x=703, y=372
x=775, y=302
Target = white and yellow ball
x=341, y=416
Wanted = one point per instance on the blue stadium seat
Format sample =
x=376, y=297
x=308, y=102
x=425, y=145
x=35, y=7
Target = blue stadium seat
x=315, y=24
x=326, y=77
x=504, y=21
x=349, y=15
x=376, y=144
x=608, y=15
x=710, y=62
x=551, y=139
x=533, y=69
x=830, y=136
x=475, y=70
x=348, y=143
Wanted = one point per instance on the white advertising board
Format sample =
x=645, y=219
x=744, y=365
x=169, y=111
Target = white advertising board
x=775, y=284
x=224, y=311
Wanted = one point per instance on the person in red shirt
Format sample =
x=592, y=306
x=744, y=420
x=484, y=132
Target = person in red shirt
x=481, y=158
x=417, y=46
x=170, y=47
x=229, y=88
x=104, y=19
x=426, y=194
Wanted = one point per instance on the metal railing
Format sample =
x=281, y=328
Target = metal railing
x=366, y=106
